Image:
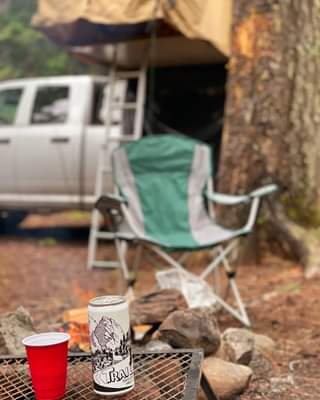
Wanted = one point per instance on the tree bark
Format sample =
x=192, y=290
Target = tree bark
x=272, y=118
x=4, y=7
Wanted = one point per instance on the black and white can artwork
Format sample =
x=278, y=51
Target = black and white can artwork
x=109, y=329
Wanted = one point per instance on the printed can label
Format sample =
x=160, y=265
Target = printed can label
x=112, y=361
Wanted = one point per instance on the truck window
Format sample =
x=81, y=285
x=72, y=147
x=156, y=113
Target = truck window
x=99, y=104
x=51, y=105
x=123, y=92
x=9, y=101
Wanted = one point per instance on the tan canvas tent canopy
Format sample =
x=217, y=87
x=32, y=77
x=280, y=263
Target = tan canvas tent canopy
x=193, y=31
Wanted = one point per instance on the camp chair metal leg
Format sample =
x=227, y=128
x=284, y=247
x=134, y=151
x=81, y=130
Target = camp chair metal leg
x=124, y=246
x=227, y=292
x=166, y=257
x=237, y=314
x=217, y=281
x=233, y=286
x=122, y=258
x=216, y=272
x=244, y=316
x=157, y=264
x=219, y=259
x=213, y=267
x=150, y=257
x=137, y=260
x=227, y=269
x=183, y=257
x=241, y=315
x=92, y=248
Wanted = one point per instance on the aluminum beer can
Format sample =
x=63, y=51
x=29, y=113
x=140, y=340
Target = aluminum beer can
x=109, y=329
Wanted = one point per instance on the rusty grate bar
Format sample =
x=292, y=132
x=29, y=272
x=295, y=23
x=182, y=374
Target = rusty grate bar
x=173, y=375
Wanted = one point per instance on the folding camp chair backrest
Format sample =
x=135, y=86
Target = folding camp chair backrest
x=163, y=178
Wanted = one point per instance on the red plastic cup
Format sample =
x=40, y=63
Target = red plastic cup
x=47, y=358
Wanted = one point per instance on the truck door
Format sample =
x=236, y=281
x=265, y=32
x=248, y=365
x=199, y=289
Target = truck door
x=9, y=104
x=50, y=142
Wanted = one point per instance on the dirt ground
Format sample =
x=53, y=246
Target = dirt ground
x=45, y=271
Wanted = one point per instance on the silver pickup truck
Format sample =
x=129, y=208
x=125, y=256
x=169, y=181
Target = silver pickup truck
x=51, y=130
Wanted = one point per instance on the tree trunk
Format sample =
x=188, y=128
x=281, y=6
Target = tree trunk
x=4, y=6
x=272, y=118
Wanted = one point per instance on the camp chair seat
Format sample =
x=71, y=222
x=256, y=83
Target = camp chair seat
x=208, y=236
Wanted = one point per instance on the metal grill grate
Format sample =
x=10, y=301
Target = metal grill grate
x=159, y=376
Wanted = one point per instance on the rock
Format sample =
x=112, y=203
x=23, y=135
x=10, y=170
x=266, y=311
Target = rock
x=237, y=345
x=195, y=328
x=157, y=345
x=264, y=345
x=13, y=328
x=201, y=394
x=154, y=307
x=240, y=345
x=261, y=366
x=225, y=378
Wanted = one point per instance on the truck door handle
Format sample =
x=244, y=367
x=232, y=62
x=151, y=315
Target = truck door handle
x=60, y=139
x=5, y=141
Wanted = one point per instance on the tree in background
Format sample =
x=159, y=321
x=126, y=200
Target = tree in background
x=4, y=6
x=272, y=120
x=25, y=52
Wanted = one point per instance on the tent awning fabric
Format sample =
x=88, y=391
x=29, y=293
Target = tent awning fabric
x=92, y=22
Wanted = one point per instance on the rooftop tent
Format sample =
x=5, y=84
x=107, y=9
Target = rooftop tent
x=193, y=32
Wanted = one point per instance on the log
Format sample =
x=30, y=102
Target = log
x=154, y=307
x=78, y=315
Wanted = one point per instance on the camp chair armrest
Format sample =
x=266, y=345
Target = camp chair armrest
x=226, y=199
x=254, y=197
x=232, y=200
x=107, y=203
x=263, y=191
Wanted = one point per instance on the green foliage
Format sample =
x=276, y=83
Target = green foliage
x=26, y=52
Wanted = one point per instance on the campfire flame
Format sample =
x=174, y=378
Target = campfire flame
x=76, y=324
x=79, y=336
x=83, y=296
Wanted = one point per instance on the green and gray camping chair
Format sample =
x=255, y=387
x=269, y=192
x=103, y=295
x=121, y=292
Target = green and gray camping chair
x=164, y=191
